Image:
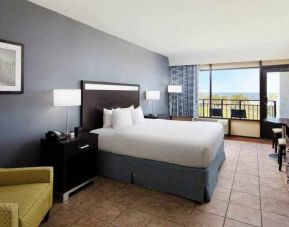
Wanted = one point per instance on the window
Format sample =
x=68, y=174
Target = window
x=235, y=93
x=204, y=93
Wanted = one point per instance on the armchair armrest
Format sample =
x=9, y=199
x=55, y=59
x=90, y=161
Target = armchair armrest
x=29, y=175
x=9, y=214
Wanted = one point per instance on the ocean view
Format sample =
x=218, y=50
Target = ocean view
x=247, y=95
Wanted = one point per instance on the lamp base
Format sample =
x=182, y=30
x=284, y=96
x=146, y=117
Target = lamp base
x=68, y=134
x=154, y=115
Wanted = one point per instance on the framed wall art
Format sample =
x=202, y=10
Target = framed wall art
x=11, y=67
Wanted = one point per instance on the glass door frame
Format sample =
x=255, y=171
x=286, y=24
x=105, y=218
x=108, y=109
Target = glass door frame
x=265, y=127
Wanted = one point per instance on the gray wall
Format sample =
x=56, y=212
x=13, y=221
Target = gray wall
x=59, y=52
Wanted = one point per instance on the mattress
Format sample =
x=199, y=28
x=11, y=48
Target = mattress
x=191, y=144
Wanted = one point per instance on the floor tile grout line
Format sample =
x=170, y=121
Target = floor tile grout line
x=156, y=216
x=75, y=220
x=232, y=185
x=153, y=215
x=210, y=212
x=187, y=220
x=242, y=222
x=163, y=205
x=150, y=220
x=85, y=214
x=259, y=188
x=110, y=222
x=126, y=208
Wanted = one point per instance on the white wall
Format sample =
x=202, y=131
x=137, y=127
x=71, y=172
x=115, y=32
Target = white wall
x=284, y=94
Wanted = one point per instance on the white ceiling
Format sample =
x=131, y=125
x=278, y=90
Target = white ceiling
x=190, y=31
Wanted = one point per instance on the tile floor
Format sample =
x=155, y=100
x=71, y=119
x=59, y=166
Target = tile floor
x=251, y=192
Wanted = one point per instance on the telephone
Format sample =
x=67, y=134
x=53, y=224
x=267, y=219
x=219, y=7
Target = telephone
x=54, y=135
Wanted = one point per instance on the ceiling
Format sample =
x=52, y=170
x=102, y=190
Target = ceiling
x=190, y=31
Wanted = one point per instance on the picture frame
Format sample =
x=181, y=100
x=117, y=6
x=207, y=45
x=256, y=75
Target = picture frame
x=11, y=67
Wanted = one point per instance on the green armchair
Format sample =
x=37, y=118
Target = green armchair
x=26, y=196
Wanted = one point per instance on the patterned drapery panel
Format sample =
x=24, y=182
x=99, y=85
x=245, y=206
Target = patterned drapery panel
x=184, y=104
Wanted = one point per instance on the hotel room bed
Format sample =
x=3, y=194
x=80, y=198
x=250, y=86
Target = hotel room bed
x=191, y=144
x=181, y=158
x=176, y=157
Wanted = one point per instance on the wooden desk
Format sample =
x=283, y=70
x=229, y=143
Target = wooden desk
x=279, y=121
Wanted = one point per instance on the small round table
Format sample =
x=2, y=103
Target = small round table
x=279, y=121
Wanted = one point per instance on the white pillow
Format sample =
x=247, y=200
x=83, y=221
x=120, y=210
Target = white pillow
x=107, y=118
x=121, y=118
x=128, y=108
x=137, y=115
x=107, y=123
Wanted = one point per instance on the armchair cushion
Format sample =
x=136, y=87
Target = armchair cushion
x=33, y=201
x=9, y=214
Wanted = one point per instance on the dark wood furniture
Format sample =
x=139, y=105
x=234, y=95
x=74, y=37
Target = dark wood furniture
x=98, y=95
x=159, y=116
x=74, y=162
x=284, y=122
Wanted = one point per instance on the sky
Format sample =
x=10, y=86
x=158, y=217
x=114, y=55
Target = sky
x=237, y=81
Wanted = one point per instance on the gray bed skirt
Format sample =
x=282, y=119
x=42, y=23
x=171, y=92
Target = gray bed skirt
x=196, y=184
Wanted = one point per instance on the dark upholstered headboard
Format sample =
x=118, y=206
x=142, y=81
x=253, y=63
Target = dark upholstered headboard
x=98, y=95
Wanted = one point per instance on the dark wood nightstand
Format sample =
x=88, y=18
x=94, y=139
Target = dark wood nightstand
x=74, y=162
x=159, y=116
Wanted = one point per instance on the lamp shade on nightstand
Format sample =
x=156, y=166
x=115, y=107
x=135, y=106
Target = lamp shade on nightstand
x=67, y=97
x=175, y=89
x=153, y=95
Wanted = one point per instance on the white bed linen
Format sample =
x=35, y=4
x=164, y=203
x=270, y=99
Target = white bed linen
x=192, y=144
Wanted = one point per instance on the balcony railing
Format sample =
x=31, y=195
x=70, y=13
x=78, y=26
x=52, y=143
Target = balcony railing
x=249, y=108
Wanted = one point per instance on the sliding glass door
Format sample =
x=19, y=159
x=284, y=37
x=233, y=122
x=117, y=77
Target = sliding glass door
x=274, y=96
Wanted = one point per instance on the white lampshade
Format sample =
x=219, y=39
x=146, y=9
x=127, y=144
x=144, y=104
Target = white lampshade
x=152, y=95
x=67, y=97
x=174, y=88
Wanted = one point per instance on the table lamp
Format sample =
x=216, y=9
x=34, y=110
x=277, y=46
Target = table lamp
x=67, y=98
x=153, y=95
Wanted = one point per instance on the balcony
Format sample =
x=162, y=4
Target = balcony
x=243, y=115
x=241, y=109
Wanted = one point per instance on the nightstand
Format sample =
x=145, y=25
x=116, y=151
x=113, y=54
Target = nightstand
x=74, y=162
x=159, y=116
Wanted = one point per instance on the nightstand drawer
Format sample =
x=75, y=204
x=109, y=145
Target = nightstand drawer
x=80, y=146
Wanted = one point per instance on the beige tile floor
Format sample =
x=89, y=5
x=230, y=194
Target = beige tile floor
x=251, y=192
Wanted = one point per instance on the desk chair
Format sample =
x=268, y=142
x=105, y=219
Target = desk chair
x=281, y=151
x=277, y=134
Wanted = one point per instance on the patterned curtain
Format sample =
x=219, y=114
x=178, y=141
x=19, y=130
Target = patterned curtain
x=184, y=104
